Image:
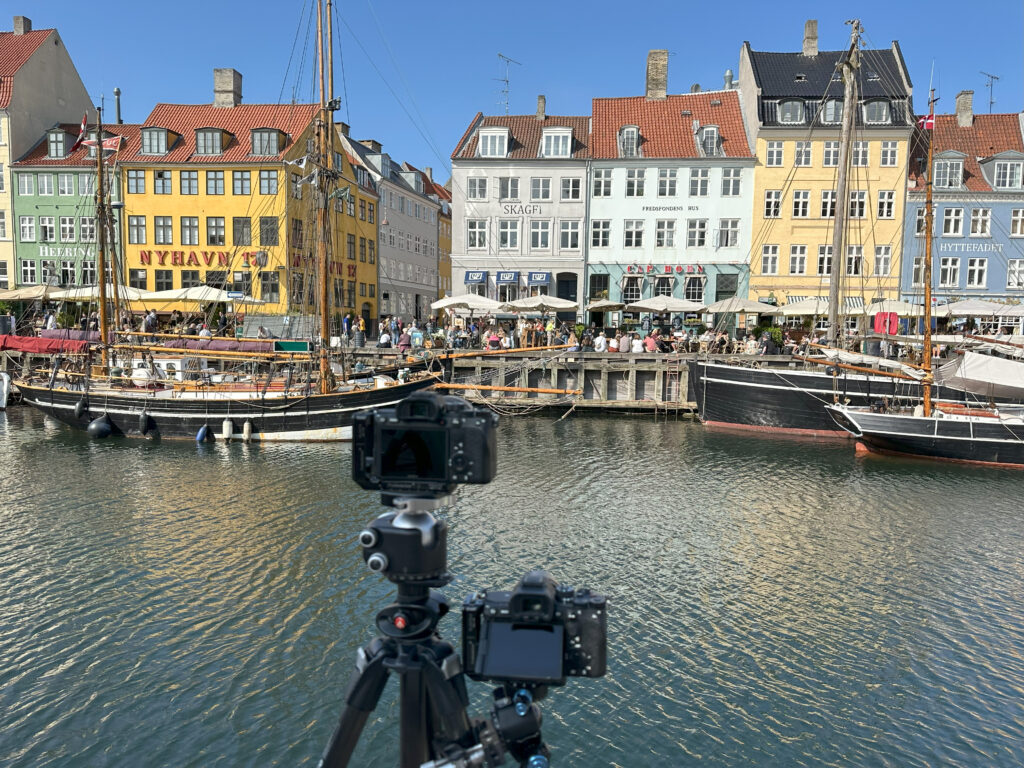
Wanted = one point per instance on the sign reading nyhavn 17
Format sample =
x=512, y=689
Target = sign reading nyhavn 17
x=183, y=259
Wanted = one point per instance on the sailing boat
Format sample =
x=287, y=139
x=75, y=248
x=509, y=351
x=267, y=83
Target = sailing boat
x=986, y=435
x=790, y=87
x=274, y=397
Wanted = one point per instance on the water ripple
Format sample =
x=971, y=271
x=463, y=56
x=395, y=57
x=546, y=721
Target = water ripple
x=773, y=601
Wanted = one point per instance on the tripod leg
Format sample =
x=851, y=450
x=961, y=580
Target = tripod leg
x=413, y=718
x=364, y=689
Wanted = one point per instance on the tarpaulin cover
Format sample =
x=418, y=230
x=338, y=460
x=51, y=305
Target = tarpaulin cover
x=41, y=346
x=220, y=345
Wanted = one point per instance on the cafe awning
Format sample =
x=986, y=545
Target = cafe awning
x=477, y=276
x=506, y=277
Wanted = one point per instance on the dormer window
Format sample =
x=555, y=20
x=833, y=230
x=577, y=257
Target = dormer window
x=493, y=143
x=710, y=141
x=876, y=112
x=791, y=112
x=832, y=112
x=55, y=142
x=266, y=142
x=629, y=141
x=1008, y=175
x=949, y=174
x=556, y=144
x=209, y=141
x=92, y=144
x=154, y=141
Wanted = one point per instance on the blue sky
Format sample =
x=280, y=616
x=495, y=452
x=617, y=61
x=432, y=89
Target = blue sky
x=412, y=74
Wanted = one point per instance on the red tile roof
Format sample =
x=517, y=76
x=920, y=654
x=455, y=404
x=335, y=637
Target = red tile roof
x=185, y=119
x=989, y=135
x=15, y=50
x=430, y=187
x=526, y=133
x=80, y=157
x=664, y=130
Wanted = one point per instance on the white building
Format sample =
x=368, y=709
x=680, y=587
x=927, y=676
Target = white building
x=519, y=206
x=407, y=275
x=671, y=192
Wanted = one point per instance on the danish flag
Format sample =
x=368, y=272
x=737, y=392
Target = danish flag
x=81, y=134
x=926, y=122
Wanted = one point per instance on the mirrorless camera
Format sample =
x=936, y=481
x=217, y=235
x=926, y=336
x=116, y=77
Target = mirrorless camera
x=539, y=633
x=424, y=446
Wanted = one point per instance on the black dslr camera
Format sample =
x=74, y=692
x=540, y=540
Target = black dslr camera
x=538, y=634
x=424, y=446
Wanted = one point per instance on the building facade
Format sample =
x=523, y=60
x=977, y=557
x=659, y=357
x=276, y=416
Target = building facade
x=407, y=268
x=519, y=206
x=792, y=106
x=39, y=87
x=978, y=190
x=56, y=229
x=670, y=195
x=443, y=197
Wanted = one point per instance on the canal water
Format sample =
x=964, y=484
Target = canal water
x=772, y=602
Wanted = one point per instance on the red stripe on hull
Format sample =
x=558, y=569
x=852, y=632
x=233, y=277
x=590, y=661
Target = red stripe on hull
x=829, y=433
x=870, y=449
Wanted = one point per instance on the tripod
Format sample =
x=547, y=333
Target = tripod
x=410, y=548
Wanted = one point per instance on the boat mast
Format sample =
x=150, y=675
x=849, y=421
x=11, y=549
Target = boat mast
x=101, y=262
x=926, y=357
x=322, y=202
x=849, y=64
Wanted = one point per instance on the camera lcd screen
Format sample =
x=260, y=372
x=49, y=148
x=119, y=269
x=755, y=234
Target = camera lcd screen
x=411, y=454
x=521, y=651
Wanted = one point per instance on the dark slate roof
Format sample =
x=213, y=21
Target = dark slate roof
x=882, y=74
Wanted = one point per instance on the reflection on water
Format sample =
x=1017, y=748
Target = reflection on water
x=772, y=602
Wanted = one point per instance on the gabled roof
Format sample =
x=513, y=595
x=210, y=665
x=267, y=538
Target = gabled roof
x=882, y=74
x=525, y=133
x=15, y=50
x=80, y=157
x=185, y=119
x=430, y=187
x=987, y=136
x=665, y=128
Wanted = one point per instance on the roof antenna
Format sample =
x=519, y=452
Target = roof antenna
x=990, y=85
x=504, y=91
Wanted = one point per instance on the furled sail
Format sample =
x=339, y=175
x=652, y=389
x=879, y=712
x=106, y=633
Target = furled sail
x=855, y=358
x=983, y=375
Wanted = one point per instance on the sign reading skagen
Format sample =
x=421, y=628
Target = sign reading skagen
x=518, y=209
x=970, y=247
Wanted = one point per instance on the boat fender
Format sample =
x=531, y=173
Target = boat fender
x=247, y=431
x=226, y=428
x=143, y=422
x=81, y=407
x=100, y=427
x=201, y=434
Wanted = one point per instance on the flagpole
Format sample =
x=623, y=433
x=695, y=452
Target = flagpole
x=101, y=264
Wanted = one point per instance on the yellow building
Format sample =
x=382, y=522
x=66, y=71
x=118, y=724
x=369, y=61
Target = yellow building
x=222, y=194
x=793, y=106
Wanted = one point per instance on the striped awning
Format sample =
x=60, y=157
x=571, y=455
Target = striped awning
x=853, y=302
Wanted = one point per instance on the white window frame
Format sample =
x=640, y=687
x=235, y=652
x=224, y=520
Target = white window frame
x=67, y=229
x=27, y=229
x=1015, y=273
x=854, y=260
x=802, y=154
x=540, y=188
x=47, y=229
x=828, y=204
x=953, y=222
x=731, y=180
x=635, y=178
x=825, y=261
x=1007, y=175
x=860, y=154
x=87, y=229
x=791, y=112
x=832, y=112
x=886, y=208
x=890, y=153
x=946, y=172
x=877, y=112
x=600, y=233
x=508, y=234
x=1017, y=222
x=569, y=235
x=977, y=272
x=629, y=141
x=772, y=203
x=493, y=144
x=981, y=222
x=798, y=259
x=556, y=143
x=949, y=271
x=830, y=154
x=667, y=178
x=858, y=204
x=65, y=184
x=700, y=179
x=769, y=259
x=728, y=233
x=883, y=261
x=571, y=188
x=602, y=182
x=774, y=154
x=633, y=233
x=508, y=187
x=540, y=235
x=476, y=234
x=801, y=203
x=476, y=188
x=665, y=233
x=696, y=233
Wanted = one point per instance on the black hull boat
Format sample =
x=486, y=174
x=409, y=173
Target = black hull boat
x=214, y=414
x=993, y=438
x=788, y=400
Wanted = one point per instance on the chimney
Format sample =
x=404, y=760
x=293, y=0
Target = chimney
x=372, y=144
x=695, y=88
x=227, y=88
x=344, y=128
x=117, y=105
x=965, y=109
x=657, y=74
x=22, y=25
x=430, y=172
x=541, y=105
x=811, y=37
x=728, y=80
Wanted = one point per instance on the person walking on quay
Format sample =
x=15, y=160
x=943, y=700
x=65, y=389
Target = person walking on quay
x=404, y=342
x=346, y=324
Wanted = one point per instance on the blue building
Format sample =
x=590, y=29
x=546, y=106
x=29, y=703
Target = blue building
x=978, y=186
